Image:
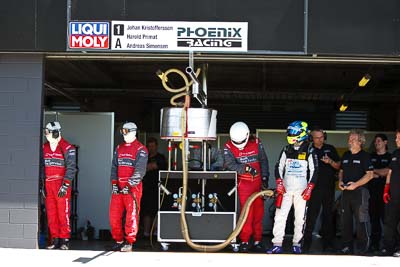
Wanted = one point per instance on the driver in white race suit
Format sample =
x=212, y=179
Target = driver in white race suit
x=295, y=174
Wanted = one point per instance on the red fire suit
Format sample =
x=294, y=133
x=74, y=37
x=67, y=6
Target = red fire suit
x=130, y=160
x=59, y=167
x=253, y=155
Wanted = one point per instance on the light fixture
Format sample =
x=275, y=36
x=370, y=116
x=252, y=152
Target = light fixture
x=343, y=108
x=364, y=80
x=343, y=104
x=161, y=75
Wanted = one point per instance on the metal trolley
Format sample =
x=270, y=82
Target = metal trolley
x=211, y=208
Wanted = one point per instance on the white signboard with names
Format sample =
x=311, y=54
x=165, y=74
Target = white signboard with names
x=179, y=36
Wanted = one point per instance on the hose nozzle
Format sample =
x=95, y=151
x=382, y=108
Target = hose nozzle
x=189, y=70
x=231, y=191
x=164, y=189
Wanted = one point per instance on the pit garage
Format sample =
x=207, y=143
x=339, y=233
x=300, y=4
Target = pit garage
x=264, y=91
x=298, y=66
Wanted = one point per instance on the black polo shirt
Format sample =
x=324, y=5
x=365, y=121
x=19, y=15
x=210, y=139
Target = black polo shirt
x=355, y=166
x=395, y=177
x=326, y=173
x=379, y=162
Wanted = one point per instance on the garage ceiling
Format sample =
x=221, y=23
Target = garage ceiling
x=240, y=88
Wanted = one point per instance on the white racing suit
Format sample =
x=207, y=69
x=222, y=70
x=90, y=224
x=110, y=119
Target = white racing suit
x=296, y=168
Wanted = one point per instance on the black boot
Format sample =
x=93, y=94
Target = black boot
x=55, y=244
x=244, y=247
x=127, y=247
x=64, y=244
x=257, y=247
x=117, y=246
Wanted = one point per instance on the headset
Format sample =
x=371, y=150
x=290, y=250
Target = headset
x=54, y=133
x=318, y=129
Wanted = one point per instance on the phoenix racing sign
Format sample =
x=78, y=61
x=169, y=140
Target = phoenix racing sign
x=179, y=36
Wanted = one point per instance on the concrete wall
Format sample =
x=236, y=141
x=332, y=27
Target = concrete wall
x=21, y=79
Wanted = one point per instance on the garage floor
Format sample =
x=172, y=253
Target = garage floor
x=99, y=257
x=144, y=245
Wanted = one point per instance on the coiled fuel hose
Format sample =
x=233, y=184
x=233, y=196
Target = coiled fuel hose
x=184, y=227
x=180, y=92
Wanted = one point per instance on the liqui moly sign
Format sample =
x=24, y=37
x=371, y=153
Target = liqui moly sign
x=89, y=35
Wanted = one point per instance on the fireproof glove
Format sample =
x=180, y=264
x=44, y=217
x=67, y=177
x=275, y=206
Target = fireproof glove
x=63, y=190
x=307, y=192
x=264, y=182
x=125, y=190
x=386, y=193
x=280, y=188
x=115, y=189
x=134, y=180
x=250, y=170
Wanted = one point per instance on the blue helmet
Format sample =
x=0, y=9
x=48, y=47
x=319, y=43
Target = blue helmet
x=297, y=131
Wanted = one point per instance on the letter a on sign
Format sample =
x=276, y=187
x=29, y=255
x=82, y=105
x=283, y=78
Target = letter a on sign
x=118, y=43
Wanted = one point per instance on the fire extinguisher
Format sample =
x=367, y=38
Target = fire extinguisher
x=278, y=200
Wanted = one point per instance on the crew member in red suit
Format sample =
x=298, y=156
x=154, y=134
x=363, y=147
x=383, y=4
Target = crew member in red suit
x=127, y=171
x=245, y=154
x=58, y=171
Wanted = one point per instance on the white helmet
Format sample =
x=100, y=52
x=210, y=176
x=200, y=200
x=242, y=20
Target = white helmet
x=53, y=133
x=52, y=129
x=129, y=132
x=129, y=127
x=239, y=134
x=53, y=126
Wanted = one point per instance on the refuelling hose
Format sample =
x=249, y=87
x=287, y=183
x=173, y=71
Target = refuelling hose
x=180, y=92
x=184, y=227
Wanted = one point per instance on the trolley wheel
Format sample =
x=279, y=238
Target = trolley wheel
x=235, y=247
x=164, y=246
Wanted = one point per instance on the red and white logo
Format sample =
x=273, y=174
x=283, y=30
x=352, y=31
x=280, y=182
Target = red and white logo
x=89, y=35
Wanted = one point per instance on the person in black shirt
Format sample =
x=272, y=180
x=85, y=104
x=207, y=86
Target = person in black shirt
x=380, y=160
x=391, y=197
x=149, y=203
x=324, y=192
x=355, y=172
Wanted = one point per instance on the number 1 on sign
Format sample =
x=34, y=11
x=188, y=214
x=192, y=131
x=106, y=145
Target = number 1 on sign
x=118, y=29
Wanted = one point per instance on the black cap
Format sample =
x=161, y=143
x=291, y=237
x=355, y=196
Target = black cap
x=381, y=136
